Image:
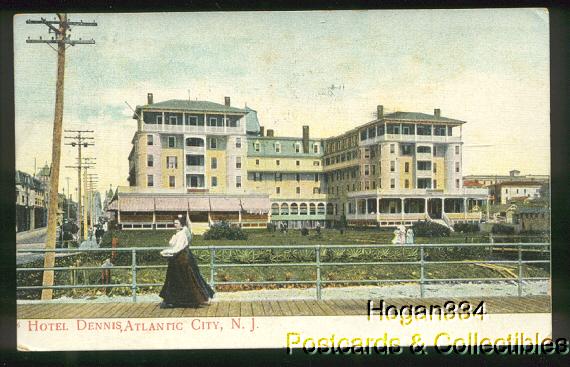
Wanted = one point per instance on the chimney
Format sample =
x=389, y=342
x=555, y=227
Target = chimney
x=261, y=130
x=149, y=98
x=437, y=112
x=227, y=101
x=380, y=111
x=270, y=132
x=305, y=138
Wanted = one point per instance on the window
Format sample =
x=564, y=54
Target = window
x=277, y=190
x=172, y=141
x=456, y=166
x=238, y=143
x=407, y=167
x=238, y=181
x=457, y=149
x=303, y=209
x=406, y=149
x=392, y=148
x=297, y=177
x=315, y=148
x=316, y=177
x=366, y=185
x=173, y=120
x=256, y=146
x=238, y=162
x=297, y=147
x=294, y=209
x=366, y=170
x=392, y=183
x=424, y=183
x=278, y=177
x=298, y=190
x=257, y=162
x=257, y=176
x=434, y=150
x=194, y=142
x=149, y=140
x=277, y=148
x=213, y=121
x=316, y=190
x=424, y=165
x=214, y=163
x=149, y=160
x=213, y=143
x=457, y=183
x=214, y=181
x=316, y=163
x=150, y=180
x=366, y=153
x=373, y=185
x=298, y=163
x=171, y=181
x=424, y=149
x=392, y=166
x=192, y=120
x=435, y=168
x=407, y=184
x=171, y=162
x=159, y=119
x=435, y=184
x=277, y=162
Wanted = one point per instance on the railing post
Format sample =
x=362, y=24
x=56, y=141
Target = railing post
x=318, y=262
x=520, y=272
x=212, y=269
x=134, y=274
x=422, y=271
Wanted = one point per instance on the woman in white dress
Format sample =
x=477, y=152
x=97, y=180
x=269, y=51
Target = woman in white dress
x=184, y=286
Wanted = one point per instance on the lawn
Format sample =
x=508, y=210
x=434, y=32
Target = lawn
x=284, y=256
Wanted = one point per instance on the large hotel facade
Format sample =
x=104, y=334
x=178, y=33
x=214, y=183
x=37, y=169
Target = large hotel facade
x=215, y=162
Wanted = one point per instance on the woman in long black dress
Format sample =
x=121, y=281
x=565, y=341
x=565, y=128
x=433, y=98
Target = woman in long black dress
x=184, y=286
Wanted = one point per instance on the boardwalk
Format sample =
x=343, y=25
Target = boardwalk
x=337, y=307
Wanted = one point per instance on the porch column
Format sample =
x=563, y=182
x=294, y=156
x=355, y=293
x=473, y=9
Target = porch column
x=239, y=217
x=366, y=207
x=377, y=206
x=402, y=208
x=184, y=122
x=355, y=208
x=225, y=122
x=426, y=205
x=464, y=208
x=162, y=121
x=154, y=220
x=442, y=206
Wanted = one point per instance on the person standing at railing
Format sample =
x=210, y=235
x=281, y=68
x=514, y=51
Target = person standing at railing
x=106, y=274
x=184, y=286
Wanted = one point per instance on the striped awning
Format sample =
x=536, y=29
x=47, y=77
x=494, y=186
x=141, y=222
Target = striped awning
x=256, y=205
x=171, y=204
x=221, y=204
x=199, y=204
x=136, y=204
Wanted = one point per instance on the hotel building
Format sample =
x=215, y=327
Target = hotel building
x=216, y=162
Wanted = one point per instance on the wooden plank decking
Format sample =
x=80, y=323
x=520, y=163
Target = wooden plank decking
x=337, y=307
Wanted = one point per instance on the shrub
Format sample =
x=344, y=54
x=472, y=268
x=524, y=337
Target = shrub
x=466, y=227
x=304, y=231
x=271, y=227
x=502, y=229
x=430, y=229
x=223, y=231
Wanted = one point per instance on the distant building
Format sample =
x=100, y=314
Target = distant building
x=533, y=218
x=514, y=175
x=216, y=162
x=31, y=204
x=507, y=191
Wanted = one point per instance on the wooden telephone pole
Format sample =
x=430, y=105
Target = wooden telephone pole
x=62, y=40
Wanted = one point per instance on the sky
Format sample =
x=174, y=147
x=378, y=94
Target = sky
x=489, y=67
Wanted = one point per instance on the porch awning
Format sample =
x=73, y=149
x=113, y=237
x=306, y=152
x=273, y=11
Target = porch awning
x=198, y=204
x=136, y=204
x=222, y=204
x=171, y=204
x=256, y=205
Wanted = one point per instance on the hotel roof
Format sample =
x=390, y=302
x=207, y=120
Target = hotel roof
x=418, y=116
x=189, y=105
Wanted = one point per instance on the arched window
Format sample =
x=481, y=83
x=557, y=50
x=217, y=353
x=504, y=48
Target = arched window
x=303, y=208
x=294, y=209
x=321, y=209
x=330, y=209
x=284, y=209
x=275, y=209
x=312, y=209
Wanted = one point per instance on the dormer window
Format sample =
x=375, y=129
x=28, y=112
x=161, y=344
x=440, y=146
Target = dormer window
x=256, y=146
x=297, y=147
x=315, y=148
x=277, y=147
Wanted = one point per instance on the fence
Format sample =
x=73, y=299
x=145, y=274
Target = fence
x=423, y=262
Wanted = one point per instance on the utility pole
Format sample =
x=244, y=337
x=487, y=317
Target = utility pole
x=80, y=141
x=62, y=40
x=92, y=180
x=87, y=163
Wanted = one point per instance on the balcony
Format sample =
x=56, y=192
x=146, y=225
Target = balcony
x=195, y=170
x=181, y=129
x=409, y=138
x=194, y=150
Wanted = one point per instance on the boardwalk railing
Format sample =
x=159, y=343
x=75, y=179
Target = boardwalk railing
x=423, y=260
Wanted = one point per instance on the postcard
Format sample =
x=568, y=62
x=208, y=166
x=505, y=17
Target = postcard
x=318, y=181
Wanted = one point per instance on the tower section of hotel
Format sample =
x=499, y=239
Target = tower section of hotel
x=398, y=169
x=289, y=170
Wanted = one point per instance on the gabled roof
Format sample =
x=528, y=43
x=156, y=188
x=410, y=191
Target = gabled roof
x=189, y=105
x=418, y=116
